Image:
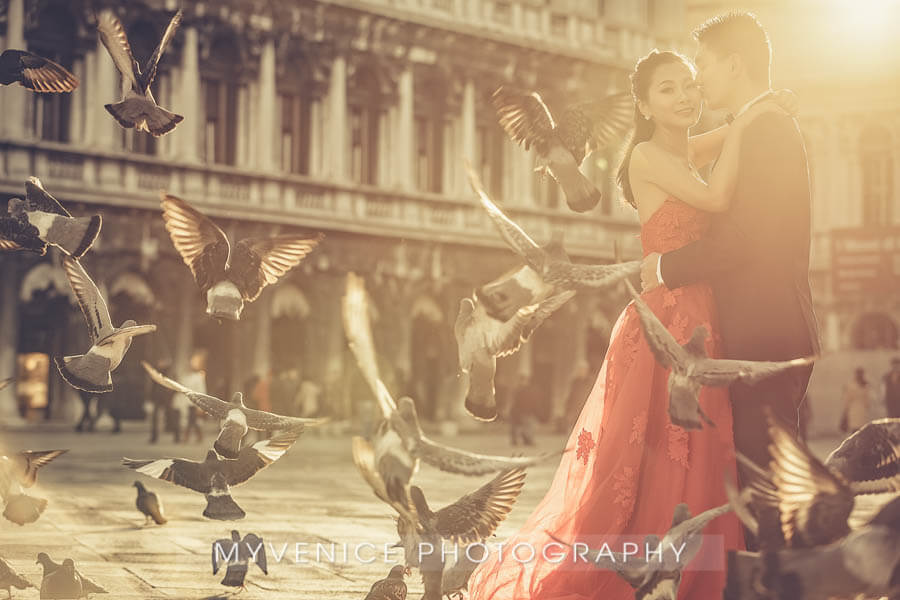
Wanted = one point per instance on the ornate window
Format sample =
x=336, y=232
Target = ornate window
x=294, y=132
x=430, y=131
x=367, y=99
x=223, y=95
x=54, y=38
x=877, y=162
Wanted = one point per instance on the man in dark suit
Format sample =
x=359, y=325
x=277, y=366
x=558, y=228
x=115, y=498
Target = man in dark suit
x=756, y=254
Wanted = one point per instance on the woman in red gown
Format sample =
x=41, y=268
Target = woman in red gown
x=630, y=466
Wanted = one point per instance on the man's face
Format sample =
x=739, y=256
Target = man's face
x=712, y=75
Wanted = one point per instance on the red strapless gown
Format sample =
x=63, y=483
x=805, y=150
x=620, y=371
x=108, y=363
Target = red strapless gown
x=629, y=466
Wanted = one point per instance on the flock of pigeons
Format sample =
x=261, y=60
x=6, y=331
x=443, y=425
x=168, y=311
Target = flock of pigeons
x=840, y=520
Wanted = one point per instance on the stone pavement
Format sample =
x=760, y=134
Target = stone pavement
x=311, y=496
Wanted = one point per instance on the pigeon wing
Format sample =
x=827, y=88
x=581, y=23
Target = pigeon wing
x=524, y=116
x=37, y=198
x=631, y=568
x=260, y=455
x=112, y=34
x=812, y=499
x=463, y=462
x=689, y=529
x=569, y=275
x=150, y=68
x=185, y=473
x=31, y=461
x=202, y=245
x=611, y=118
x=355, y=312
x=476, y=516
x=364, y=459
x=43, y=75
x=257, y=263
x=721, y=372
x=219, y=551
x=92, y=304
x=514, y=236
x=870, y=453
x=665, y=348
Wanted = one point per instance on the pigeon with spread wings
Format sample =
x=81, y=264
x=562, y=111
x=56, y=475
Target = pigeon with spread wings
x=236, y=417
x=24, y=465
x=40, y=220
x=562, y=143
x=400, y=441
x=137, y=108
x=34, y=72
x=216, y=475
x=228, y=277
x=237, y=554
x=692, y=368
x=92, y=371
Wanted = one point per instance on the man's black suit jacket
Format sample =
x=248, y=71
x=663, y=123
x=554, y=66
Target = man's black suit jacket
x=756, y=254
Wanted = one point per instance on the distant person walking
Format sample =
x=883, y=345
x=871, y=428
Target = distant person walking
x=857, y=401
x=892, y=389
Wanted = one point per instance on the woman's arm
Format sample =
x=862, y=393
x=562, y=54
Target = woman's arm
x=705, y=147
x=654, y=166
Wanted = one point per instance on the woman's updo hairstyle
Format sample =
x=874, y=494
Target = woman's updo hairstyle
x=643, y=128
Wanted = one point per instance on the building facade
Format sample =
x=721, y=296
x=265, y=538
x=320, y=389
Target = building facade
x=350, y=118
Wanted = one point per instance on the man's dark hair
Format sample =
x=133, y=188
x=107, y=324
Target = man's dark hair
x=742, y=34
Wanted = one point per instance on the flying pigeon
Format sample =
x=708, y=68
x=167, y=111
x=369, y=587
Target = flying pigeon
x=149, y=504
x=815, y=505
x=562, y=142
x=655, y=578
x=692, y=368
x=92, y=371
x=481, y=339
x=230, y=277
x=391, y=588
x=215, y=475
x=34, y=72
x=137, y=108
x=237, y=554
x=10, y=579
x=63, y=581
x=236, y=417
x=550, y=262
x=870, y=456
x=24, y=465
x=399, y=440
x=40, y=220
x=864, y=564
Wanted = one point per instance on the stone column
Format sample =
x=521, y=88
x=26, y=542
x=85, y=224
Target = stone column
x=266, y=159
x=15, y=96
x=467, y=123
x=404, y=154
x=107, y=84
x=189, y=100
x=9, y=341
x=336, y=166
x=184, y=332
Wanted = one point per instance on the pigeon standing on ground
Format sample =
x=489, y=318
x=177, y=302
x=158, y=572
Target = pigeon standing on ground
x=10, y=579
x=238, y=553
x=229, y=277
x=137, y=108
x=34, y=72
x=214, y=476
x=92, y=371
x=149, y=504
x=391, y=588
x=562, y=143
x=236, y=417
x=692, y=368
x=63, y=581
x=40, y=220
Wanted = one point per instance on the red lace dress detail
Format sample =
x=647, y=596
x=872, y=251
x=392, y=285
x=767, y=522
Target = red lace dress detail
x=628, y=466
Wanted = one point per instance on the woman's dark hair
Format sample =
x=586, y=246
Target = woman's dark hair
x=643, y=128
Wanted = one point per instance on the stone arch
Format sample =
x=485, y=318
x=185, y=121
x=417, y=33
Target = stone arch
x=874, y=330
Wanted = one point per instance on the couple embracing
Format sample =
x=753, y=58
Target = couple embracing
x=731, y=254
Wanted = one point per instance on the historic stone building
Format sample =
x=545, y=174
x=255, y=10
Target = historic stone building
x=350, y=118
